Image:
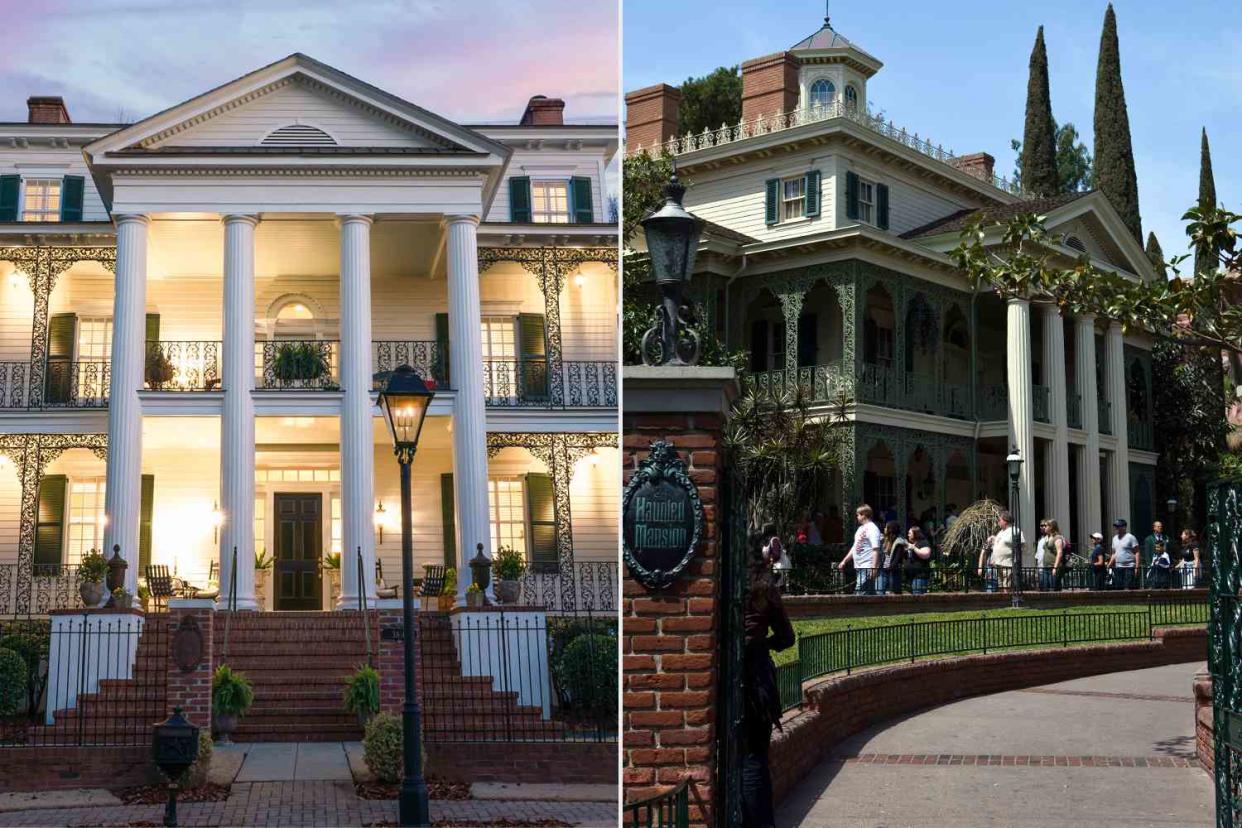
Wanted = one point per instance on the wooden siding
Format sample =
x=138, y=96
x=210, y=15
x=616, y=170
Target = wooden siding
x=560, y=165
x=54, y=162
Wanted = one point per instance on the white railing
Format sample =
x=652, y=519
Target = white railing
x=780, y=121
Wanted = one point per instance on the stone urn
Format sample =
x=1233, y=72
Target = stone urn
x=91, y=592
x=507, y=591
x=262, y=577
x=224, y=724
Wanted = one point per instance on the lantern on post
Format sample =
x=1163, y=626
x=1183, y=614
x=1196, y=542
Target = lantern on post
x=1014, y=462
x=174, y=748
x=672, y=236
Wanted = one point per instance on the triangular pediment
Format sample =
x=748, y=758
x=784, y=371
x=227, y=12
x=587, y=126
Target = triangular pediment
x=1093, y=223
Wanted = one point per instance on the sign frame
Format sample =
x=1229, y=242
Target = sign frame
x=662, y=465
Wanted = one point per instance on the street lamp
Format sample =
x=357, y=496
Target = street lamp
x=672, y=243
x=404, y=403
x=1171, y=514
x=1014, y=462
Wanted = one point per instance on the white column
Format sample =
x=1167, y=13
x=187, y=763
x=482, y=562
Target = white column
x=237, y=423
x=1119, y=462
x=469, y=425
x=123, y=486
x=1089, y=506
x=1021, y=415
x=1058, y=465
x=357, y=443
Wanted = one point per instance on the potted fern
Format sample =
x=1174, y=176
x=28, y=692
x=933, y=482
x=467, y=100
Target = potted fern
x=509, y=566
x=231, y=696
x=362, y=694
x=298, y=362
x=332, y=565
x=448, y=594
x=159, y=368
x=92, y=570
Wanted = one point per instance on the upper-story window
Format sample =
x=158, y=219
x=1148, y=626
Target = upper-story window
x=822, y=93
x=866, y=201
x=549, y=202
x=41, y=199
x=851, y=96
x=790, y=199
x=794, y=199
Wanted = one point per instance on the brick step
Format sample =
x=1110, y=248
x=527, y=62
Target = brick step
x=294, y=678
x=299, y=696
x=256, y=649
x=317, y=707
x=295, y=732
x=332, y=718
x=304, y=663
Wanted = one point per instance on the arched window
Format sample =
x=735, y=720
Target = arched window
x=851, y=96
x=298, y=135
x=294, y=316
x=822, y=93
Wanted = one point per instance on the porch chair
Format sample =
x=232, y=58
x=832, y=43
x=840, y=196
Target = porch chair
x=433, y=581
x=382, y=590
x=161, y=585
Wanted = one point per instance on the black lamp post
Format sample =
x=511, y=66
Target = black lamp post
x=404, y=402
x=1170, y=530
x=1014, y=462
x=174, y=748
x=672, y=242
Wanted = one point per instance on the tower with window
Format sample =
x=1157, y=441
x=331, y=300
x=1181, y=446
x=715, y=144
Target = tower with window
x=834, y=73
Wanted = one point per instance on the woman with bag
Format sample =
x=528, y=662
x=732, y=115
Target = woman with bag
x=918, y=561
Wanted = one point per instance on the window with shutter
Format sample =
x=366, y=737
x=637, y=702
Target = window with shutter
x=851, y=196
x=441, y=369
x=550, y=202
x=41, y=199
x=144, y=523
x=507, y=512
x=62, y=332
x=10, y=186
x=580, y=191
x=72, y=190
x=881, y=206
x=542, y=515
x=86, y=517
x=448, y=528
x=772, y=189
x=532, y=356
x=519, y=199
x=812, y=193
x=501, y=365
x=50, y=523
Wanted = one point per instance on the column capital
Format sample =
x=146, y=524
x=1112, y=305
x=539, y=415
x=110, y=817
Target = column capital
x=354, y=218
x=449, y=220
x=238, y=218
x=131, y=218
x=1018, y=301
x=1086, y=317
x=1048, y=308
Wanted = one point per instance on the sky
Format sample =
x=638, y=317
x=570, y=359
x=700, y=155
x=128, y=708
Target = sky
x=956, y=71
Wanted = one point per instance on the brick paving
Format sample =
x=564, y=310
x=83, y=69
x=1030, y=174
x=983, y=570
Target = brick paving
x=312, y=804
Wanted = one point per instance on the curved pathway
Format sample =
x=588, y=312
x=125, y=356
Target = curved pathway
x=1110, y=750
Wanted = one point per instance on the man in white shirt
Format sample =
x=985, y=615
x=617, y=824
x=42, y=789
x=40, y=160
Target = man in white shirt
x=865, y=553
x=1126, y=558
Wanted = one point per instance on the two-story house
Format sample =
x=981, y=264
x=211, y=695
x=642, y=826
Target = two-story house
x=197, y=309
x=825, y=258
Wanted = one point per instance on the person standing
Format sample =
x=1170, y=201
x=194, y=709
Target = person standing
x=1188, y=566
x=1002, y=550
x=1050, y=554
x=865, y=553
x=1126, y=559
x=1098, y=562
x=764, y=612
x=889, y=579
x=1156, y=549
x=918, y=561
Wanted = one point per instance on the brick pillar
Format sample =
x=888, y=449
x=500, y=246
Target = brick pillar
x=769, y=85
x=189, y=689
x=670, y=655
x=1205, y=743
x=391, y=660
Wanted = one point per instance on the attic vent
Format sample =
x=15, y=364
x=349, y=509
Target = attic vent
x=298, y=135
x=1076, y=243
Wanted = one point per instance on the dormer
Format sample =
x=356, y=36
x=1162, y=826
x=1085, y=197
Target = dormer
x=832, y=70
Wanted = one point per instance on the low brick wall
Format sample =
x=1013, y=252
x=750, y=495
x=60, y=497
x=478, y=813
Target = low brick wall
x=565, y=763
x=848, y=606
x=54, y=768
x=843, y=705
x=1204, y=726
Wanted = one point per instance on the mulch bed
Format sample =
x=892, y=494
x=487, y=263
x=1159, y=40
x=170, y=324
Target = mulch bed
x=436, y=789
x=158, y=794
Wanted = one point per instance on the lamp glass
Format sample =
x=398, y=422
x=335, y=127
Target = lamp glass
x=672, y=236
x=1014, y=461
x=404, y=402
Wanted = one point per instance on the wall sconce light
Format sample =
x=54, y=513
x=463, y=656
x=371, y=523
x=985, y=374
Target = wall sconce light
x=15, y=280
x=217, y=520
x=579, y=280
x=379, y=520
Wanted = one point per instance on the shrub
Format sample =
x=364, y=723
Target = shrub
x=508, y=564
x=231, y=693
x=450, y=582
x=197, y=774
x=587, y=672
x=31, y=646
x=14, y=683
x=362, y=691
x=381, y=747
x=93, y=567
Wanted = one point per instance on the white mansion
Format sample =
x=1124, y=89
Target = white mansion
x=825, y=257
x=196, y=311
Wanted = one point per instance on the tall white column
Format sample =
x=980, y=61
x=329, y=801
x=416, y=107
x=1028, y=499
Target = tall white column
x=357, y=443
x=237, y=459
x=1021, y=415
x=1089, y=506
x=1119, y=461
x=1058, y=466
x=469, y=425
x=123, y=482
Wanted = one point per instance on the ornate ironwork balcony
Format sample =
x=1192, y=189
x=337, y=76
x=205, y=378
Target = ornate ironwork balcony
x=183, y=365
x=14, y=377
x=1106, y=416
x=52, y=587
x=1073, y=410
x=1140, y=435
x=428, y=358
x=78, y=384
x=298, y=365
x=1040, y=403
x=993, y=402
x=524, y=383
x=590, y=384
x=821, y=382
x=590, y=586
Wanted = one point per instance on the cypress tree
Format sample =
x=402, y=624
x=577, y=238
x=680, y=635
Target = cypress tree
x=1114, y=154
x=1205, y=260
x=1155, y=254
x=1039, y=143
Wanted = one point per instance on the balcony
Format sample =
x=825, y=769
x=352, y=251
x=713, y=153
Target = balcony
x=183, y=365
x=1106, y=416
x=1140, y=435
x=77, y=384
x=428, y=358
x=993, y=402
x=1073, y=410
x=525, y=383
x=1039, y=403
x=298, y=365
x=822, y=382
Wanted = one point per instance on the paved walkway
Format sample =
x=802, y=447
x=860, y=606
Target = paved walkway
x=1111, y=750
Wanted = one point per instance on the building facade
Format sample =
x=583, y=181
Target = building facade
x=826, y=258
x=198, y=310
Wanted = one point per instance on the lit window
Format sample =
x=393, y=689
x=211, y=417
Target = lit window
x=499, y=356
x=794, y=198
x=822, y=93
x=866, y=201
x=86, y=517
x=41, y=200
x=94, y=350
x=507, y=508
x=851, y=97
x=549, y=202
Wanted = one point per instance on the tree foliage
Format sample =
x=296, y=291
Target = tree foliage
x=710, y=102
x=1205, y=259
x=1075, y=166
x=1114, y=154
x=1039, y=150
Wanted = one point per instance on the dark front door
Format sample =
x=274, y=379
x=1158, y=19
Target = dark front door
x=299, y=551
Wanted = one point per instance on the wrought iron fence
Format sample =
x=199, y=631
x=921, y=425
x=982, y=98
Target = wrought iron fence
x=525, y=383
x=1140, y=434
x=1040, y=403
x=428, y=358
x=667, y=809
x=14, y=377
x=51, y=587
x=182, y=365
x=821, y=382
x=588, y=586
x=993, y=402
x=590, y=384
x=510, y=676
x=1073, y=410
x=290, y=365
x=78, y=384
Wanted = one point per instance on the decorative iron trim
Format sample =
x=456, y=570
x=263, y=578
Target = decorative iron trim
x=663, y=463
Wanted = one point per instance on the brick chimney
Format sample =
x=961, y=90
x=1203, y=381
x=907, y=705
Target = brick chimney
x=544, y=111
x=769, y=85
x=46, y=110
x=651, y=115
x=979, y=164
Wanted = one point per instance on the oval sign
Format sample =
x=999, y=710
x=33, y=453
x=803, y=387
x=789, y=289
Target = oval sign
x=662, y=518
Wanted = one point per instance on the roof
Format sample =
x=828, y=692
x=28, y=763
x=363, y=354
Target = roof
x=295, y=150
x=826, y=38
x=719, y=231
x=959, y=221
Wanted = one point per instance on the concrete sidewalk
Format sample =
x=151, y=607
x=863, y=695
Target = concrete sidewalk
x=1111, y=750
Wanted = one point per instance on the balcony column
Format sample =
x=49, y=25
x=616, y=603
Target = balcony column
x=1119, y=461
x=469, y=423
x=237, y=460
x=1058, y=467
x=357, y=442
x=791, y=309
x=123, y=482
x=1021, y=415
x=1089, y=507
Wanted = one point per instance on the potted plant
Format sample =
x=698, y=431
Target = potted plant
x=144, y=597
x=362, y=696
x=262, y=574
x=91, y=573
x=122, y=598
x=332, y=565
x=299, y=362
x=231, y=696
x=448, y=594
x=159, y=368
x=474, y=596
x=509, y=566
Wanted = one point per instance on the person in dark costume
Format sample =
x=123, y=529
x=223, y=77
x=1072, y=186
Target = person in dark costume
x=764, y=613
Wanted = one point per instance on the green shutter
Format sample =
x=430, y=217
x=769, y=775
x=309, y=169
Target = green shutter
x=447, y=518
x=541, y=512
x=144, y=523
x=153, y=327
x=441, y=369
x=62, y=330
x=71, y=191
x=580, y=199
x=519, y=199
x=812, y=193
x=532, y=357
x=881, y=206
x=772, y=206
x=851, y=196
x=50, y=521
x=9, y=187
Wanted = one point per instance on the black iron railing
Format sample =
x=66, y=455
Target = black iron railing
x=525, y=383
x=293, y=365
x=14, y=379
x=52, y=587
x=182, y=365
x=428, y=358
x=591, y=384
x=667, y=809
x=588, y=586
x=78, y=384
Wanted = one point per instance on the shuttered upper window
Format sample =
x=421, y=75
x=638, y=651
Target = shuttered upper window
x=790, y=199
x=549, y=202
x=866, y=201
x=86, y=517
x=41, y=199
x=794, y=199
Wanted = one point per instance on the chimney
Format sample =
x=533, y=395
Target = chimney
x=544, y=111
x=769, y=85
x=46, y=110
x=651, y=115
x=979, y=164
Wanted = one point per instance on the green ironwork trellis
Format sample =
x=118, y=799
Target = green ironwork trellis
x=1225, y=647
